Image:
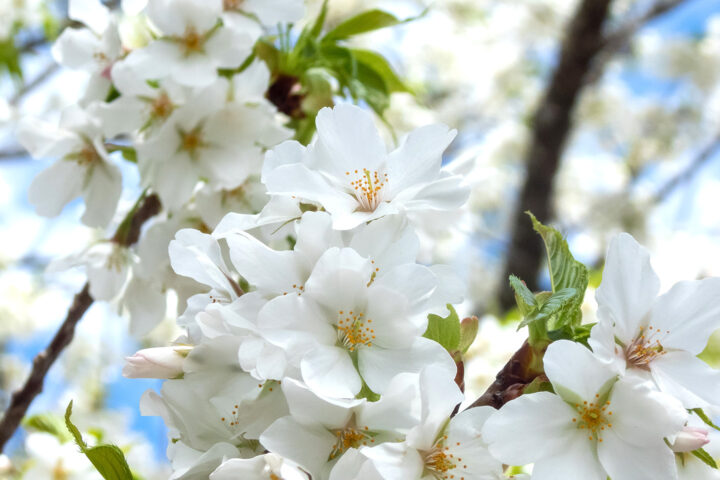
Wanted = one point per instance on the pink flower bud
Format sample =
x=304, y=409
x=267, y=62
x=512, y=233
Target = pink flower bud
x=160, y=362
x=689, y=439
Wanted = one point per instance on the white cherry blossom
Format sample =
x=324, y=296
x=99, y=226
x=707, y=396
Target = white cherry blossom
x=193, y=43
x=82, y=167
x=348, y=171
x=592, y=428
x=657, y=338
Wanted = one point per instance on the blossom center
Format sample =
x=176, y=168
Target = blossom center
x=350, y=437
x=232, y=4
x=645, y=348
x=354, y=330
x=161, y=107
x=368, y=188
x=440, y=460
x=87, y=156
x=594, y=418
x=192, y=41
x=191, y=141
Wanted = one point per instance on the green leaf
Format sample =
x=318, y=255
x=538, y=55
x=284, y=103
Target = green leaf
x=703, y=416
x=10, y=58
x=565, y=271
x=364, y=22
x=705, y=457
x=549, y=304
x=378, y=64
x=468, y=331
x=48, y=423
x=129, y=154
x=445, y=331
x=523, y=296
x=108, y=460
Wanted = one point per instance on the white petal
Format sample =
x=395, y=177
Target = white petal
x=297, y=180
x=690, y=312
x=379, y=365
x=308, y=446
x=628, y=287
x=76, y=49
x=42, y=139
x=530, y=428
x=245, y=468
x=229, y=48
x=572, y=368
x=197, y=255
x=270, y=271
x=329, y=371
x=146, y=304
x=102, y=193
x=348, y=139
x=56, y=186
x=687, y=378
x=353, y=465
x=625, y=461
x=90, y=12
x=446, y=193
x=643, y=416
x=307, y=407
x=578, y=461
x=418, y=158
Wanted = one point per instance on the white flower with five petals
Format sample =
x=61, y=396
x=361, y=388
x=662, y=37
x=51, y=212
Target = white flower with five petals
x=348, y=171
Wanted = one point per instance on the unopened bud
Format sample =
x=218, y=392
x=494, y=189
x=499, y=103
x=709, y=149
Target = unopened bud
x=689, y=439
x=159, y=362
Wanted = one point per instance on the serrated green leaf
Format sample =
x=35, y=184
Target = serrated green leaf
x=549, y=304
x=468, y=332
x=108, y=460
x=48, y=423
x=523, y=296
x=445, y=331
x=364, y=22
x=703, y=416
x=557, y=302
x=565, y=272
x=379, y=64
x=706, y=458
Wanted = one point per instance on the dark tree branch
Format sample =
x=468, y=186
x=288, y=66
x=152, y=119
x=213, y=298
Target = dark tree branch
x=551, y=127
x=21, y=399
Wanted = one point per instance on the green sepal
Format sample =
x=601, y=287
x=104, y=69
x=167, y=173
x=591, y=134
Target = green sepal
x=539, y=384
x=445, y=331
x=108, y=460
x=703, y=416
x=468, y=331
x=706, y=458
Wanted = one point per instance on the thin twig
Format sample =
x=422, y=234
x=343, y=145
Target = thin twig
x=687, y=173
x=13, y=153
x=22, y=398
x=618, y=39
x=48, y=72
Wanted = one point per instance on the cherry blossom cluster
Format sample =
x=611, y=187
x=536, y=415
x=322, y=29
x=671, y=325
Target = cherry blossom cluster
x=307, y=354
x=308, y=349
x=172, y=88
